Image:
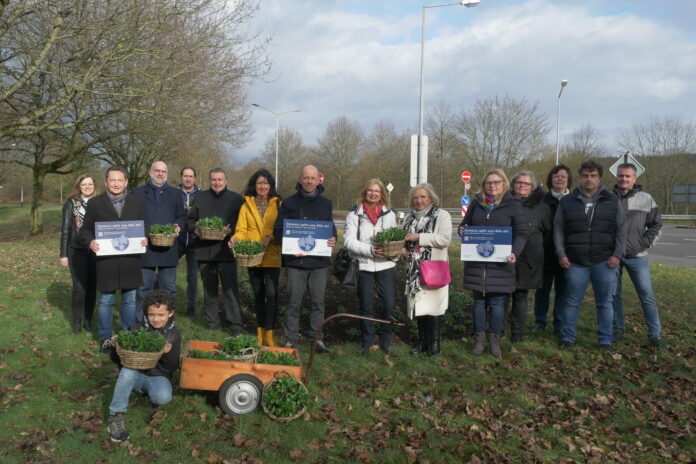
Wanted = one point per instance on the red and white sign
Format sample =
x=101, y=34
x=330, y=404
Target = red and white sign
x=464, y=208
x=321, y=178
x=466, y=176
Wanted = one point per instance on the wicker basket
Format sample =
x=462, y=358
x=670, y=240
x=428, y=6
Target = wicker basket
x=394, y=249
x=163, y=240
x=248, y=355
x=137, y=360
x=273, y=416
x=248, y=260
x=206, y=233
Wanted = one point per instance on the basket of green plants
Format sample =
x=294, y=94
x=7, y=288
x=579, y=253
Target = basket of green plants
x=277, y=358
x=211, y=228
x=248, y=252
x=139, y=349
x=284, y=398
x=243, y=348
x=392, y=240
x=163, y=235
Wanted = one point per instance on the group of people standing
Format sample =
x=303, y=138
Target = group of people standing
x=560, y=238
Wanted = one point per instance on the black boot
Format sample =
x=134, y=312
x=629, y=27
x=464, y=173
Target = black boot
x=434, y=346
x=422, y=346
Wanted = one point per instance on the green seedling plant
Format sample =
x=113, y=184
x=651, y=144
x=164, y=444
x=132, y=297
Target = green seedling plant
x=248, y=247
x=393, y=234
x=162, y=229
x=235, y=346
x=214, y=355
x=213, y=222
x=285, y=396
x=274, y=357
x=141, y=340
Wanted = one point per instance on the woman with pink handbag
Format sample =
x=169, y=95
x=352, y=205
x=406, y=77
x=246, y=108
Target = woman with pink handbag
x=429, y=231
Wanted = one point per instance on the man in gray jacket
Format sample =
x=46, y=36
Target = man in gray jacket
x=643, y=226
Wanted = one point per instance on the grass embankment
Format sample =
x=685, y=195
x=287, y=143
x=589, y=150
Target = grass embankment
x=537, y=404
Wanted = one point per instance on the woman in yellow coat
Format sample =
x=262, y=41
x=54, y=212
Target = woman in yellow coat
x=256, y=219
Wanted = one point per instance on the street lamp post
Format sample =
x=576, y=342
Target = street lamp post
x=564, y=82
x=277, y=115
x=420, y=178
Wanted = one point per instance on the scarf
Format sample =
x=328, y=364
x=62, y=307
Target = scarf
x=79, y=204
x=372, y=213
x=158, y=190
x=490, y=203
x=418, y=222
x=558, y=196
x=117, y=201
x=262, y=206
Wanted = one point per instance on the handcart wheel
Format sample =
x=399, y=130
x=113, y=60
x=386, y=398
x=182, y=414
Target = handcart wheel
x=240, y=394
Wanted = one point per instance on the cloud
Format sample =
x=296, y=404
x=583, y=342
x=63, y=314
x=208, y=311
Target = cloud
x=331, y=60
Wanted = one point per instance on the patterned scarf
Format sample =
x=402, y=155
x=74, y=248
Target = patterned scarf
x=490, y=203
x=262, y=206
x=79, y=205
x=424, y=225
x=372, y=213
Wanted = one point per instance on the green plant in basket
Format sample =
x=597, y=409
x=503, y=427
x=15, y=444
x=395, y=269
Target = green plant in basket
x=274, y=357
x=215, y=355
x=248, y=247
x=162, y=229
x=213, y=222
x=285, y=396
x=235, y=346
x=141, y=340
x=393, y=234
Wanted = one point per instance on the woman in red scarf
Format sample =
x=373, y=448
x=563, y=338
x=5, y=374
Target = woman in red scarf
x=371, y=214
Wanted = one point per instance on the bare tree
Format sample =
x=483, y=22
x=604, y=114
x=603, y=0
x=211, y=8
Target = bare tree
x=442, y=149
x=501, y=132
x=338, y=152
x=584, y=143
x=291, y=155
x=387, y=157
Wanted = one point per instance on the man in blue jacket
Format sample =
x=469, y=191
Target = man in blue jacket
x=163, y=205
x=305, y=271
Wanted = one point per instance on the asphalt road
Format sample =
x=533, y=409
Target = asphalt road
x=676, y=247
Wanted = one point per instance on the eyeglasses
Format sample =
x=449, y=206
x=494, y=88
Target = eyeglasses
x=488, y=183
x=527, y=184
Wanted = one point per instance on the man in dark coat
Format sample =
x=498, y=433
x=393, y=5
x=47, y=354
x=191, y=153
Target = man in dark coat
x=215, y=259
x=305, y=271
x=163, y=205
x=189, y=190
x=119, y=272
x=590, y=238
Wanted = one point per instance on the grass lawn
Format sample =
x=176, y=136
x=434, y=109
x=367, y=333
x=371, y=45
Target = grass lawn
x=536, y=404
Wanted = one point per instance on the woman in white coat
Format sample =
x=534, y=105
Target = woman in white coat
x=371, y=214
x=429, y=231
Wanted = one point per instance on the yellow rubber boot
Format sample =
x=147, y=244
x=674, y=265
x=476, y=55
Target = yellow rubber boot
x=260, y=335
x=270, y=340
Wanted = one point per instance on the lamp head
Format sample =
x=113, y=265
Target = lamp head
x=564, y=82
x=470, y=3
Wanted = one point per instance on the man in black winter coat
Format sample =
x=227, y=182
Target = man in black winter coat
x=590, y=238
x=305, y=271
x=163, y=205
x=119, y=272
x=215, y=259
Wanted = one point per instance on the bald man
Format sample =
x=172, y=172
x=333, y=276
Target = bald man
x=305, y=271
x=163, y=204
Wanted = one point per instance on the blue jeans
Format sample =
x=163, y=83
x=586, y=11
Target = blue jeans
x=553, y=275
x=603, y=280
x=494, y=305
x=157, y=388
x=639, y=272
x=384, y=281
x=160, y=277
x=106, y=311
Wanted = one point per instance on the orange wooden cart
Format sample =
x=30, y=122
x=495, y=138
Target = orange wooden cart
x=240, y=384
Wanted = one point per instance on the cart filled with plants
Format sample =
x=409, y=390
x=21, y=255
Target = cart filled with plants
x=239, y=369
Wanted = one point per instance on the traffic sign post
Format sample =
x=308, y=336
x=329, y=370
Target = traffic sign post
x=390, y=187
x=466, y=176
x=465, y=205
x=321, y=178
x=627, y=158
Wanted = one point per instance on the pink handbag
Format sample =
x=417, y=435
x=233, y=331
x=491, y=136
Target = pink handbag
x=434, y=274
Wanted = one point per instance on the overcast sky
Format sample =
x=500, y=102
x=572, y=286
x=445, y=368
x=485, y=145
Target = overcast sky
x=624, y=60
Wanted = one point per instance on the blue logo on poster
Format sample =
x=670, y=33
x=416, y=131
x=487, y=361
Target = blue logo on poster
x=485, y=249
x=119, y=243
x=306, y=243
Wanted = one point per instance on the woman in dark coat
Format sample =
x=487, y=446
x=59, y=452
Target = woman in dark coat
x=492, y=282
x=530, y=263
x=77, y=257
x=559, y=182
